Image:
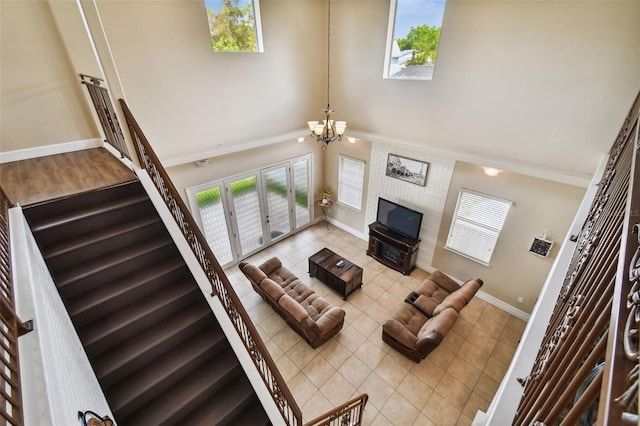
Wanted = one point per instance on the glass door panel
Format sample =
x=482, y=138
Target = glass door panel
x=245, y=201
x=215, y=227
x=301, y=192
x=276, y=192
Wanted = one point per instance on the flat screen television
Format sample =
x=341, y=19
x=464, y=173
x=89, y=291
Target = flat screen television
x=399, y=219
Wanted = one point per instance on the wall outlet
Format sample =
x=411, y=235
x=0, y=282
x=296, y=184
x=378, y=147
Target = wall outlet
x=520, y=299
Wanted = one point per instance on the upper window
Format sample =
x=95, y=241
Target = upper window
x=234, y=25
x=476, y=225
x=412, y=38
x=350, y=181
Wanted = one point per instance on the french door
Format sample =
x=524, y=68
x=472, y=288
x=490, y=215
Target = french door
x=278, y=208
x=246, y=213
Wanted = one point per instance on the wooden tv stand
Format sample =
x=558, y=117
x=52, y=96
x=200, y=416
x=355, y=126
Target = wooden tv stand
x=392, y=249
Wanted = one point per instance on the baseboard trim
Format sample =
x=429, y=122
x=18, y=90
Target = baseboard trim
x=43, y=151
x=518, y=313
x=348, y=229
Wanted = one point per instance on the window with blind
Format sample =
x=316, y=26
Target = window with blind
x=476, y=225
x=350, y=181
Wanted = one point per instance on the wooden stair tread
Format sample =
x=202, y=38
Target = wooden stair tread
x=56, y=206
x=169, y=372
x=78, y=243
x=111, y=260
x=200, y=399
x=86, y=212
x=146, y=279
x=119, y=320
x=225, y=407
x=253, y=415
x=153, y=342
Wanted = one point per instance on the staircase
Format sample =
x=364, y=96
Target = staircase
x=154, y=344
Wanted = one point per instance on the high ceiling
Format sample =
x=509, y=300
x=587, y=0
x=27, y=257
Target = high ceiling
x=538, y=87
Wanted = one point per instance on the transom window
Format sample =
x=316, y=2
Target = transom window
x=350, y=181
x=476, y=225
x=234, y=25
x=412, y=38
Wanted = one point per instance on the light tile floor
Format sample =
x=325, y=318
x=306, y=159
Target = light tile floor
x=447, y=388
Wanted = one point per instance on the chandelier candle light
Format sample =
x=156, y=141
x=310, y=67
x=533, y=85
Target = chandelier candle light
x=329, y=130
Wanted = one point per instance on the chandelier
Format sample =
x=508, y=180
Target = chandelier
x=329, y=130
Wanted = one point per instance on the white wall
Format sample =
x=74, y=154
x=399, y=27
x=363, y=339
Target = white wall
x=428, y=199
x=190, y=99
x=539, y=83
x=538, y=205
x=57, y=378
x=41, y=100
x=531, y=84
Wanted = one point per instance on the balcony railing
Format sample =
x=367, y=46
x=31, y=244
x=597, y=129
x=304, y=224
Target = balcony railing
x=12, y=328
x=586, y=371
x=106, y=114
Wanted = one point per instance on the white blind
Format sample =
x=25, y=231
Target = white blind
x=350, y=181
x=476, y=225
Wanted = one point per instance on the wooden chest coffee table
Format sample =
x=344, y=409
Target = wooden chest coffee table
x=345, y=280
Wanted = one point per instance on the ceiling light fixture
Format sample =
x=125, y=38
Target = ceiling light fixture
x=490, y=171
x=329, y=130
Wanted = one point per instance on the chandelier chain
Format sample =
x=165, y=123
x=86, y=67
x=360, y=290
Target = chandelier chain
x=329, y=130
x=328, y=53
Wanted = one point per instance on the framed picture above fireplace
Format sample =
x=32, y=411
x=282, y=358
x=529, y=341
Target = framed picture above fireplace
x=407, y=169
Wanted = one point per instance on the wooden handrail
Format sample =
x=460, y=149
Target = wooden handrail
x=349, y=413
x=219, y=282
x=11, y=391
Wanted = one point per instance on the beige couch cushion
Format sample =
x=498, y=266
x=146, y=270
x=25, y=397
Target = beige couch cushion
x=437, y=327
x=444, y=281
x=399, y=332
x=409, y=317
x=459, y=299
x=272, y=288
x=431, y=290
x=293, y=308
x=255, y=274
x=425, y=304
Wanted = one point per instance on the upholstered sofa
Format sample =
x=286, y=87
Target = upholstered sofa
x=307, y=313
x=425, y=317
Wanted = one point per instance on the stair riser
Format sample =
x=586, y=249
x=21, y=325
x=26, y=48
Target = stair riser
x=49, y=236
x=156, y=350
x=213, y=376
x=207, y=394
x=94, y=310
x=237, y=407
x=128, y=331
x=74, y=288
x=102, y=247
x=225, y=404
x=126, y=409
x=58, y=207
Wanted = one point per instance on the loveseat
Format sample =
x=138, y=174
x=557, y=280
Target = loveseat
x=425, y=317
x=307, y=313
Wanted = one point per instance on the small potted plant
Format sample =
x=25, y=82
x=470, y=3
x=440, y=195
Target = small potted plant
x=325, y=194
